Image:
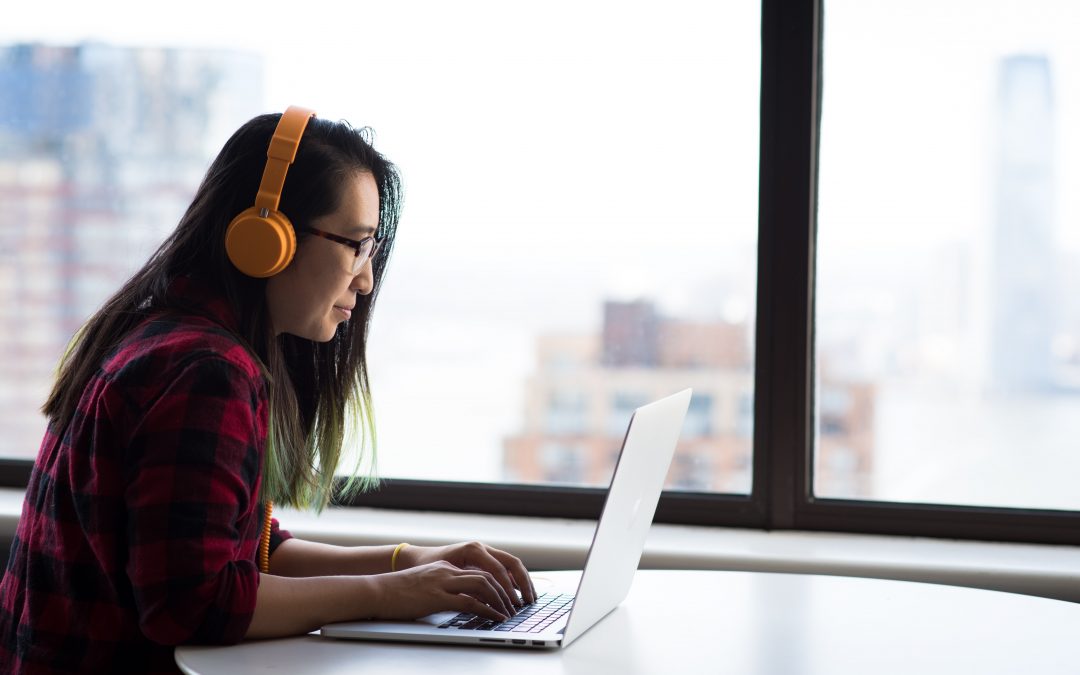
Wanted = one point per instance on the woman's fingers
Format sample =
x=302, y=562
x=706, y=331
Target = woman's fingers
x=506, y=591
x=467, y=603
x=508, y=570
x=513, y=567
x=482, y=589
x=492, y=565
x=482, y=585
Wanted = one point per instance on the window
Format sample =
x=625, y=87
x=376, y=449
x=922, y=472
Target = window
x=593, y=220
x=572, y=174
x=947, y=329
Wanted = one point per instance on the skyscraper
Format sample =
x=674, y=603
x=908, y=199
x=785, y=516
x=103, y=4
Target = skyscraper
x=1022, y=286
x=101, y=149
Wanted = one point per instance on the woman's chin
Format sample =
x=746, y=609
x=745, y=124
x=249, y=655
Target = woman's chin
x=316, y=333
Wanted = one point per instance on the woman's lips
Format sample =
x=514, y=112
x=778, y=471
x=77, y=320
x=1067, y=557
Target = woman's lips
x=347, y=311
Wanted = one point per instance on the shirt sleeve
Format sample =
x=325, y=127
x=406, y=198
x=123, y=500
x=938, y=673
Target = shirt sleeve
x=277, y=535
x=193, y=468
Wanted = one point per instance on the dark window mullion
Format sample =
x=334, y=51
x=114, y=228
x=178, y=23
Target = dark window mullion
x=789, y=100
x=552, y=501
x=941, y=520
x=491, y=498
x=15, y=472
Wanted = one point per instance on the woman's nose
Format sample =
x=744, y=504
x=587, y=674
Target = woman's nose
x=364, y=280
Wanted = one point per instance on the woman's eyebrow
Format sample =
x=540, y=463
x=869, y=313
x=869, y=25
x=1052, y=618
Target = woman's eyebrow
x=362, y=229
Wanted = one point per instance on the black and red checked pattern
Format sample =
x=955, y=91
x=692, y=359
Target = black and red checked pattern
x=141, y=518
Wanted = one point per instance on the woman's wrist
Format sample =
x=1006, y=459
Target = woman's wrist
x=293, y=606
x=352, y=598
x=370, y=591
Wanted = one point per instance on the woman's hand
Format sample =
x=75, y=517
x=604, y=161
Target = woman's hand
x=437, y=587
x=508, y=571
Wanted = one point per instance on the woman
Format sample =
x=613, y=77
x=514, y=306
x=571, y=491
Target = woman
x=217, y=380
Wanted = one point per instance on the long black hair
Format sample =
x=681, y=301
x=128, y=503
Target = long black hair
x=319, y=392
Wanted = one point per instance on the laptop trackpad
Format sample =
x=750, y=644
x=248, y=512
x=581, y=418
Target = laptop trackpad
x=437, y=618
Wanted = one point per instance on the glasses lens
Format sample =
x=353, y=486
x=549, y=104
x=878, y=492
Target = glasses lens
x=366, y=251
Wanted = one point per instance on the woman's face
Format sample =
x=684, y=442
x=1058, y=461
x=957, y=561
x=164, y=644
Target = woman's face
x=317, y=291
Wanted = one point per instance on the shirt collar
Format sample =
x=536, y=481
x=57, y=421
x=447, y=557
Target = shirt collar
x=198, y=297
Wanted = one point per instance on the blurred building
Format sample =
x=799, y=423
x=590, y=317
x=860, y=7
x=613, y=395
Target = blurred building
x=1023, y=283
x=101, y=149
x=844, y=456
x=580, y=399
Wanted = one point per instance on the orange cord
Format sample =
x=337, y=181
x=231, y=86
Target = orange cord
x=264, y=540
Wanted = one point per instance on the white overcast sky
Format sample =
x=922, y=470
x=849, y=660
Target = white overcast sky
x=468, y=87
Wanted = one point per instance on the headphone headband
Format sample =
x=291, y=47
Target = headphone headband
x=280, y=154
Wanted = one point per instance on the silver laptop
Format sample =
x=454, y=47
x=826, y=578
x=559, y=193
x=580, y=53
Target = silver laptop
x=557, y=619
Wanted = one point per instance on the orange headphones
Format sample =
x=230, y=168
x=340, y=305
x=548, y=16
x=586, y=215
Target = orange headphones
x=261, y=241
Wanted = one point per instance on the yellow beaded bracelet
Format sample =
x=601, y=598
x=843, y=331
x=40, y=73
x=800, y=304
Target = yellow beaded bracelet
x=393, y=558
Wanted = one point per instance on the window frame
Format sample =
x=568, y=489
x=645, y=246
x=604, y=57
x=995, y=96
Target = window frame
x=781, y=495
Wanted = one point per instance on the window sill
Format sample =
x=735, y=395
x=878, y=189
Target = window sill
x=550, y=543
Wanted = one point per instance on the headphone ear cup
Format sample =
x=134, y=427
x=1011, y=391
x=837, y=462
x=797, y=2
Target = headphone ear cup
x=260, y=246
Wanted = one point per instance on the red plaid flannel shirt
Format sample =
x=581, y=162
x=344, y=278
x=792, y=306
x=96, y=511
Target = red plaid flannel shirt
x=141, y=520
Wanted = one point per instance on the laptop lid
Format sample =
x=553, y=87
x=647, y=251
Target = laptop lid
x=636, y=483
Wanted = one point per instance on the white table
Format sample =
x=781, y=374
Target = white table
x=683, y=622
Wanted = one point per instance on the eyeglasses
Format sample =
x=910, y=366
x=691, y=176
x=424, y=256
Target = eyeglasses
x=364, y=249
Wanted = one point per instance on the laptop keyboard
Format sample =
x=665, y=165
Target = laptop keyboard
x=534, y=618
